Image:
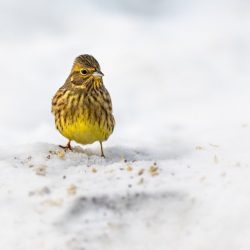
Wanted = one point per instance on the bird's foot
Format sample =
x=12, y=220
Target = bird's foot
x=102, y=154
x=67, y=147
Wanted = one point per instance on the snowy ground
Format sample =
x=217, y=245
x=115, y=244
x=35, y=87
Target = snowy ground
x=177, y=168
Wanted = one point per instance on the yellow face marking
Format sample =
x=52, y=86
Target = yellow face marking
x=77, y=67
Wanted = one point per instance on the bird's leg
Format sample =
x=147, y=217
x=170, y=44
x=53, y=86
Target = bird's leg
x=102, y=154
x=68, y=146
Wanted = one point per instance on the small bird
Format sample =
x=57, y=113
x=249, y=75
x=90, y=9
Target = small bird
x=82, y=106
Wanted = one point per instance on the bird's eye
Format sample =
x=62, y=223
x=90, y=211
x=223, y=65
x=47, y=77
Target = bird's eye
x=83, y=71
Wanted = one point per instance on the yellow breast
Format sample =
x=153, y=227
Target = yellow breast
x=84, y=119
x=85, y=132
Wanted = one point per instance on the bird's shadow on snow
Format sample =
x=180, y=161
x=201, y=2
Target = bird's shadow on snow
x=147, y=203
x=119, y=203
x=119, y=214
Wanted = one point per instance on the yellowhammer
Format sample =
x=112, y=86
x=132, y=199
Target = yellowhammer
x=82, y=106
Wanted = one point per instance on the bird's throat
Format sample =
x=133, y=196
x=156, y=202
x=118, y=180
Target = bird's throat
x=98, y=83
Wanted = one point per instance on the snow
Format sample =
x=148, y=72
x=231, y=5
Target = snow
x=79, y=200
x=177, y=168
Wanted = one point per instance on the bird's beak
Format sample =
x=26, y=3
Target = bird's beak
x=98, y=73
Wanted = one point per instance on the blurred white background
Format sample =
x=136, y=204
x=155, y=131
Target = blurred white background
x=177, y=67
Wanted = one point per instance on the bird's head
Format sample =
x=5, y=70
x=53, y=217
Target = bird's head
x=85, y=70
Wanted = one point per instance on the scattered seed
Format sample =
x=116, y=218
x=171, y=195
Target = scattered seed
x=141, y=172
x=60, y=153
x=129, y=168
x=94, y=170
x=41, y=170
x=199, y=148
x=45, y=190
x=153, y=170
x=72, y=189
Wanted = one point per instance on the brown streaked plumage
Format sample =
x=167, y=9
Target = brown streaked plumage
x=82, y=106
